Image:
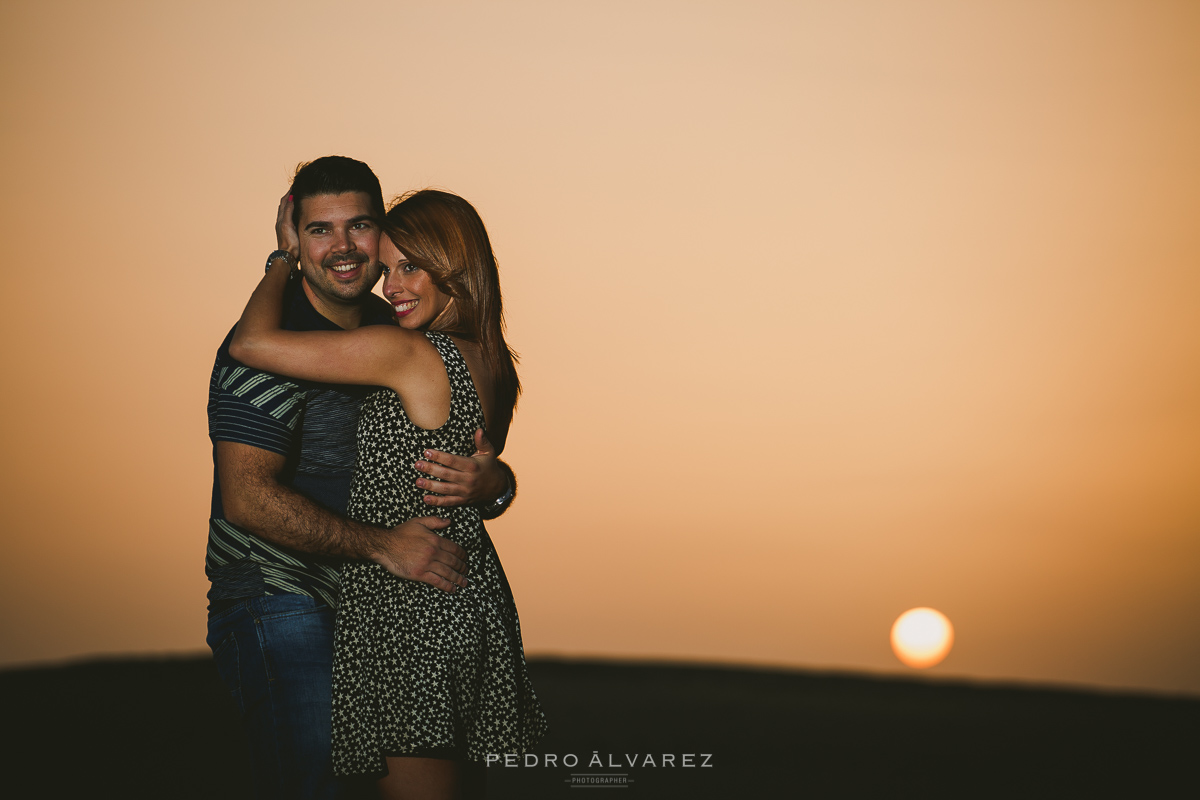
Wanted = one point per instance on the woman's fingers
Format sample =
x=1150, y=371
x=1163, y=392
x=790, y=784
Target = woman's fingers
x=280, y=216
x=286, y=237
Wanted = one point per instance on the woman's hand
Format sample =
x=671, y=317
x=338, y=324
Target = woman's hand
x=286, y=236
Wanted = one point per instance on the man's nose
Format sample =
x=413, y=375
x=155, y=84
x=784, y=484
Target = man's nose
x=342, y=243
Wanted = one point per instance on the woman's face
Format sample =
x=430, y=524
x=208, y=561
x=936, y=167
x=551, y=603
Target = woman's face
x=417, y=301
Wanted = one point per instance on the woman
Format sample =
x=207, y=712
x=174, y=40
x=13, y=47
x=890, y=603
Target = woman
x=426, y=683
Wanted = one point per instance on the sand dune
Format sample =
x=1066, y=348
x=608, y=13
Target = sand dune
x=165, y=729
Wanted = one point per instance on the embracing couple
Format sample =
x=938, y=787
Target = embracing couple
x=358, y=612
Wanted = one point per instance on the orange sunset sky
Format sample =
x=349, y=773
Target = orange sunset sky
x=826, y=310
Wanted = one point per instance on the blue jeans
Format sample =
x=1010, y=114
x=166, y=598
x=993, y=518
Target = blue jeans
x=275, y=656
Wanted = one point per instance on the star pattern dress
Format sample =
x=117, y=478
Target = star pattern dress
x=418, y=671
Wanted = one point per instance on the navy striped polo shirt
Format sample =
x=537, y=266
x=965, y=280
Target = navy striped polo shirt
x=314, y=425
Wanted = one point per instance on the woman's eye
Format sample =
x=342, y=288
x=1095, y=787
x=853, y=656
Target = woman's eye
x=410, y=267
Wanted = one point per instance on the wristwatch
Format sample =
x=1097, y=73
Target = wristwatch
x=285, y=255
x=497, y=506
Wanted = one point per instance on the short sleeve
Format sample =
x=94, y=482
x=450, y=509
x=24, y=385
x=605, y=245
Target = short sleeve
x=252, y=407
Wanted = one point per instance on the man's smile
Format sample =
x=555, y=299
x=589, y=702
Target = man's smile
x=345, y=270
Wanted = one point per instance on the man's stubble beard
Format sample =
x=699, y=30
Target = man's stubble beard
x=319, y=282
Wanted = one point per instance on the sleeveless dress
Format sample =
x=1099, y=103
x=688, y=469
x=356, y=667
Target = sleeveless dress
x=418, y=671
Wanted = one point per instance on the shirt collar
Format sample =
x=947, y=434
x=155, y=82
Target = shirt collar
x=300, y=315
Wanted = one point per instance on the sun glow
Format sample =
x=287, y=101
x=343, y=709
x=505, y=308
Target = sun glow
x=921, y=637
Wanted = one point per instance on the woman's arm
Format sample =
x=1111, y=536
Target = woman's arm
x=369, y=355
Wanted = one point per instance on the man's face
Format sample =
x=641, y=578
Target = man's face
x=339, y=245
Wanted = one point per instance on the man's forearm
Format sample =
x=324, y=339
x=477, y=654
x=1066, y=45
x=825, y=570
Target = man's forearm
x=285, y=517
x=253, y=497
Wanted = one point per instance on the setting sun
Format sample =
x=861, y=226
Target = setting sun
x=921, y=637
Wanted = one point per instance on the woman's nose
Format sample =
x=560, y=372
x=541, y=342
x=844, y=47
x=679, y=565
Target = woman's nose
x=391, y=284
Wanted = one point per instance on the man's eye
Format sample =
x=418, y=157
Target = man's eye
x=361, y=226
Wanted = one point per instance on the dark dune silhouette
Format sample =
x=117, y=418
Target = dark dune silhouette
x=166, y=729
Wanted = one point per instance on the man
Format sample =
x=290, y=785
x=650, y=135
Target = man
x=283, y=453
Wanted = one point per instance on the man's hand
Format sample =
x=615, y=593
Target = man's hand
x=412, y=550
x=463, y=481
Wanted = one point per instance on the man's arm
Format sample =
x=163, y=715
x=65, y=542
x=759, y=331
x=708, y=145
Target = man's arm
x=254, y=499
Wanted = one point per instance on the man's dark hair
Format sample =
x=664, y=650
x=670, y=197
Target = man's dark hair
x=335, y=175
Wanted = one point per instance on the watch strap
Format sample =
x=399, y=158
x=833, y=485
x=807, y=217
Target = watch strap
x=283, y=254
